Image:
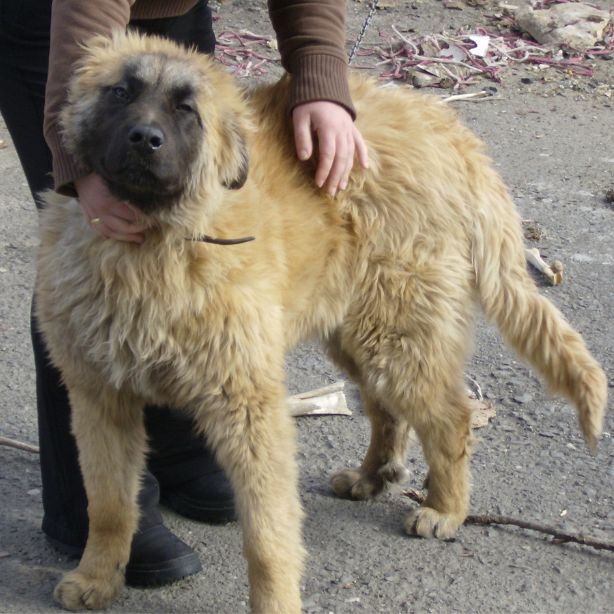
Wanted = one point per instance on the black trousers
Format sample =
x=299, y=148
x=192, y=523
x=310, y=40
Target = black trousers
x=176, y=454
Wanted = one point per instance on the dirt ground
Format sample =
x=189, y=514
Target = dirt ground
x=552, y=136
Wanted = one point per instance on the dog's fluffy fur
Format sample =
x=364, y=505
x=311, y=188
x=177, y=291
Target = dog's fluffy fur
x=388, y=275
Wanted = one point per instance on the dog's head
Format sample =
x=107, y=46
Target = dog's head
x=161, y=124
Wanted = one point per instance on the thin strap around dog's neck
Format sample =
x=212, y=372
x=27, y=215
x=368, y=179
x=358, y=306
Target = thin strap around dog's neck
x=216, y=241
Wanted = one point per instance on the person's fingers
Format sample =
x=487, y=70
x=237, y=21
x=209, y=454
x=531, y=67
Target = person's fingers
x=338, y=142
x=338, y=169
x=327, y=155
x=361, y=148
x=349, y=163
x=303, y=138
x=121, y=210
x=109, y=232
x=109, y=217
x=119, y=225
x=113, y=227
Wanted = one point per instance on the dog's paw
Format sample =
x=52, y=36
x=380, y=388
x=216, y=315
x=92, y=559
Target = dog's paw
x=343, y=482
x=393, y=473
x=428, y=522
x=353, y=484
x=78, y=591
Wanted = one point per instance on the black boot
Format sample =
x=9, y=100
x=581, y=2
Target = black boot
x=191, y=482
x=157, y=555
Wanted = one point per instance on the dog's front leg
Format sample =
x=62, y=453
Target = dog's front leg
x=110, y=436
x=254, y=439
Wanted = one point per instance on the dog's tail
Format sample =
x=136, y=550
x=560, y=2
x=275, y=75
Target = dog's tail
x=527, y=320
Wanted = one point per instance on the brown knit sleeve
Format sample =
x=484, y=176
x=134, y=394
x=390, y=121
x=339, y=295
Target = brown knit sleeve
x=72, y=23
x=311, y=39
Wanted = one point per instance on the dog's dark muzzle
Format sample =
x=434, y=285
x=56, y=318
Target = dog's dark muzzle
x=141, y=165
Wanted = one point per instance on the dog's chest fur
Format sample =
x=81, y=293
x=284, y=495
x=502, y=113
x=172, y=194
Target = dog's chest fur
x=142, y=314
x=157, y=317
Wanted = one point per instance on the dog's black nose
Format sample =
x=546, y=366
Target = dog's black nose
x=146, y=137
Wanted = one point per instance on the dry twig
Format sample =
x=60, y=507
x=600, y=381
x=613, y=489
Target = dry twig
x=13, y=443
x=488, y=519
x=473, y=97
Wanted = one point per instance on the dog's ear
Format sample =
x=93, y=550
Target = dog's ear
x=234, y=158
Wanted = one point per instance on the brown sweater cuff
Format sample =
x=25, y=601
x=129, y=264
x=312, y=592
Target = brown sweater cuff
x=149, y=9
x=65, y=169
x=320, y=77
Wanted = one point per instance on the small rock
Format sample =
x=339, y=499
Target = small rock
x=572, y=24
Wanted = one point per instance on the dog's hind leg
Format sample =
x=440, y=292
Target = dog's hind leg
x=444, y=429
x=252, y=433
x=408, y=338
x=385, y=458
x=110, y=436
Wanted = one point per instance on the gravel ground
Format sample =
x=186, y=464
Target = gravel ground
x=552, y=137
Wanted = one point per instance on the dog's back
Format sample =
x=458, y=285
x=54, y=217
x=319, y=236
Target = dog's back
x=431, y=209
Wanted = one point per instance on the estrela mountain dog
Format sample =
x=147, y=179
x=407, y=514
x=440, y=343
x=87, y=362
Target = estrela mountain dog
x=387, y=275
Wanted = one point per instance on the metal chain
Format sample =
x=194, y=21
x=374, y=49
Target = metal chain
x=365, y=25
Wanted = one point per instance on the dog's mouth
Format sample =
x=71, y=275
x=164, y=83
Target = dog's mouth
x=137, y=183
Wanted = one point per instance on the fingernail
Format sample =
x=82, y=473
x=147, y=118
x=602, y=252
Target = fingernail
x=303, y=154
x=343, y=185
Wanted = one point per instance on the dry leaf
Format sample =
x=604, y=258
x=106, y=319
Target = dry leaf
x=483, y=412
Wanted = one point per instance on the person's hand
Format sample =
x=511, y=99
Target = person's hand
x=338, y=140
x=110, y=217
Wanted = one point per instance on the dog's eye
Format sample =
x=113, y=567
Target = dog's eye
x=185, y=107
x=121, y=93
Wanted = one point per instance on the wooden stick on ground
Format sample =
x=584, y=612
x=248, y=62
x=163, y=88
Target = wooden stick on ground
x=13, y=443
x=559, y=537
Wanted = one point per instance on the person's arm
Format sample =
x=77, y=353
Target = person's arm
x=72, y=23
x=311, y=39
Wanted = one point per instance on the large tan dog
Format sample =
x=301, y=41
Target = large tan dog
x=388, y=275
